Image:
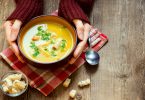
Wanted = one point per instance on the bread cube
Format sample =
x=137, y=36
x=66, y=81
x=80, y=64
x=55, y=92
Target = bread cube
x=66, y=82
x=19, y=84
x=15, y=77
x=13, y=91
x=84, y=83
x=36, y=38
x=7, y=82
x=72, y=93
x=5, y=88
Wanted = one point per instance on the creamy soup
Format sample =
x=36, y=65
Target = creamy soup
x=47, y=42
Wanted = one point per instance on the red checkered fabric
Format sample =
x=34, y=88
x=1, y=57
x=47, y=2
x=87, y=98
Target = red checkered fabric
x=47, y=80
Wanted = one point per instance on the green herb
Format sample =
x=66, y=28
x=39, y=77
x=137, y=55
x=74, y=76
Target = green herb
x=35, y=48
x=63, y=44
x=32, y=45
x=39, y=28
x=53, y=53
x=52, y=41
x=45, y=35
x=36, y=53
x=39, y=33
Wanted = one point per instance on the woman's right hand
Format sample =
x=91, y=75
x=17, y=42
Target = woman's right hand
x=12, y=28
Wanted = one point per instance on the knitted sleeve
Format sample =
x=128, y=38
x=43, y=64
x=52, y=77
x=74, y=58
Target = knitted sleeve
x=72, y=9
x=26, y=10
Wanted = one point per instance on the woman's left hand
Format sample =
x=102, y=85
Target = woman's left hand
x=83, y=30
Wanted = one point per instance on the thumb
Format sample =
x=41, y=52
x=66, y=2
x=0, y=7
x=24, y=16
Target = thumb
x=15, y=29
x=77, y=52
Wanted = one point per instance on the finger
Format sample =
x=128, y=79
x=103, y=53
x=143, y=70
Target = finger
x=77, y=52
x=15, y=29
x=82, y=44
x=16, y=51
x=7, y=26
x=79, y=28
x=79, y=49
x=87, y=29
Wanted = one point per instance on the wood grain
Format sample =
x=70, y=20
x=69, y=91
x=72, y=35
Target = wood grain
x=121, y=72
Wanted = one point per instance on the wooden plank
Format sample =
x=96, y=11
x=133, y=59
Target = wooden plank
x=123, y=22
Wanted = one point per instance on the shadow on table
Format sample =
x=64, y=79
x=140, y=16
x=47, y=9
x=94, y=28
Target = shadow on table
x=91, y=69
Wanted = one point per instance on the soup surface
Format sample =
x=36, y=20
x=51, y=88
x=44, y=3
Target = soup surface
x=47, y=42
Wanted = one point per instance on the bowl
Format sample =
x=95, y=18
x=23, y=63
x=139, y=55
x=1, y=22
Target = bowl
x=24, y=77
x=41, y=20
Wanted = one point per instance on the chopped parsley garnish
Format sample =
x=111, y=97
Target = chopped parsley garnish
x=32, y=45
x=35, y=48
x=63, y=44
x=53, y=53
x=52, y=41
x=39, y=33
x=36, y=53
x=45, y=35
x=40, y=28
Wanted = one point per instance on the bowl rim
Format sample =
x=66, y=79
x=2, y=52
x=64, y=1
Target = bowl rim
x=18, y=39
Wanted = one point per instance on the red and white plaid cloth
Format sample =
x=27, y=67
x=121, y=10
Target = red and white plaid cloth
x=47, y=80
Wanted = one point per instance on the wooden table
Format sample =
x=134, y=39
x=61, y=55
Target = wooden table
x=120, y=74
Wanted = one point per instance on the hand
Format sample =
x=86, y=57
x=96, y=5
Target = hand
x=12, y=28
x=83, y=30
